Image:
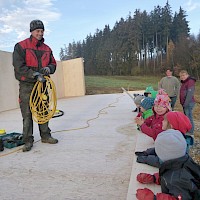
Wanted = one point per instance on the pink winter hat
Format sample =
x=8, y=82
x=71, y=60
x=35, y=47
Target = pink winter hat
x=179, y=121
x=162, y=99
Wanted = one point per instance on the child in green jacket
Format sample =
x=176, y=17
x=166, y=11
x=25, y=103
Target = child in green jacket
x=146, y=107
x=150, y=92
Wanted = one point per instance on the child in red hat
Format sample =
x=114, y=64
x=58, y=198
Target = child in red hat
x=173, y=120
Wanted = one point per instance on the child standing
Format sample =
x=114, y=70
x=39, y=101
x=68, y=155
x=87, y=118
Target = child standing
x=179, y=175
x=187, y=96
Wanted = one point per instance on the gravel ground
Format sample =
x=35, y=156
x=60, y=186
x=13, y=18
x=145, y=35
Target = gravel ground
x=195, y=149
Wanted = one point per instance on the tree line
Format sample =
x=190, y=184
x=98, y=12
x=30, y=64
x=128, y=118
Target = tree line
x=145, y=43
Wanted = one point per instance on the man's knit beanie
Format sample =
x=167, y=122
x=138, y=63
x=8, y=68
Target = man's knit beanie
x=170, y=144
x=179, y=121
x=162, y=99
x=147, y=103
x=138, y=99
x=36, y=24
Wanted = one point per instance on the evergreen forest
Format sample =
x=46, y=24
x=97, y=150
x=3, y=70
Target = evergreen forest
x=142, y=44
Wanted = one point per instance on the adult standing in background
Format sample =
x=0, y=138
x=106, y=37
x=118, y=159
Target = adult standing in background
x=31, y=60
x=187, y=95
x=171, y=85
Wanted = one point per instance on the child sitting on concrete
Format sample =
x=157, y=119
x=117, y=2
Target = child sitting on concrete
x=137, y=100
x=174, y=121
x=179, y=175
x=146, y=107
x=152, y=126
x=150, y=92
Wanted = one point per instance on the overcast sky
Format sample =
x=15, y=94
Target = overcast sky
x=72, y=20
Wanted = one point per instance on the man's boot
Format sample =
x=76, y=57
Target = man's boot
x=49, y=140
x=27, y=146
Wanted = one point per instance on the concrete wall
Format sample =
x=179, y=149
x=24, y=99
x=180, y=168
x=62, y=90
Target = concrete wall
x=68, y=78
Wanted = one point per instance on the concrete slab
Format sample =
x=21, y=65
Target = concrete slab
x=142, y=143
x=93, y=159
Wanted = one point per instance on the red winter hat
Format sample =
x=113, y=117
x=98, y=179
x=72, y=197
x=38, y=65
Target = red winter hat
x=179, y=121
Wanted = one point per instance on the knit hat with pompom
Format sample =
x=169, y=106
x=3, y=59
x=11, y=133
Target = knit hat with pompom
x=162, y=99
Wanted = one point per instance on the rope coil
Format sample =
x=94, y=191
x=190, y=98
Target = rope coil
x=43, y=101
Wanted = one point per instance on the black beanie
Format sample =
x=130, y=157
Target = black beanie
x=36, y=24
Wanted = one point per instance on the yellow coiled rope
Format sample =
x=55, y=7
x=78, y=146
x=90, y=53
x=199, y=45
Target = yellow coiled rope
x=43, y=101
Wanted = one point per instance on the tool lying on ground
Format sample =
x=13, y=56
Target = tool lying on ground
x=43, y=101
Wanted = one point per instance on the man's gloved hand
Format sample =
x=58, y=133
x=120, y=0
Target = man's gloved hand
x=45, y=71
x=144, y=194
x=39, y=77
x=148, y=178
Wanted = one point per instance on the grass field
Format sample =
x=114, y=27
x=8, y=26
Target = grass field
x=105, y=84
x=113, y=84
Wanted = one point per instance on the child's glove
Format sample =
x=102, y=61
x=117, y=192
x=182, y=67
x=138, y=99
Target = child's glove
x=163, y=196
x=141, y=153
x=142, y=159
x=149, y=151
x=148, y=178
x=147, y=194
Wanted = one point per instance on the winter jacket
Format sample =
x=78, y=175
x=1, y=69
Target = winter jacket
x=152, y=126
x=187, y=91
x=150, y=157
x=147, y=113
x=171, y=85
x=180, y=176
x=29, y=56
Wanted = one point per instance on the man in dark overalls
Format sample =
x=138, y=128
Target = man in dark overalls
x=32, y=59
